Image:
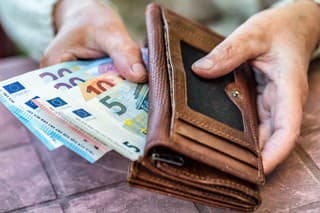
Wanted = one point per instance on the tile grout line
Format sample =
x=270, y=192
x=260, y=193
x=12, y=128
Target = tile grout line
x=309, y=206
x=45, y=170
x=68, y=198
x=308, y=162
x=196, y=205
x=15, y=146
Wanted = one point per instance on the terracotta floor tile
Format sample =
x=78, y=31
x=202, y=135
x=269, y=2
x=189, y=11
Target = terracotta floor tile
x=309, y=208
x=12, y=132
x=71, y=174
x=290, y=186
x=124, y=199
x=207, y=209
x=23, y=181
x=13, y=66
x=310, y=131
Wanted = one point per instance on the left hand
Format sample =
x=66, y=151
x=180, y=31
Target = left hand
x=278, y=43
x=89, y=29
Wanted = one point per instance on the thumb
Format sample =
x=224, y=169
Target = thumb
x=243, y=44
x=124, y=52
x=128, y=61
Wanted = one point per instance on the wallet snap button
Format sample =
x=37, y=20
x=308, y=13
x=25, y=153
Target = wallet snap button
x=235, y=93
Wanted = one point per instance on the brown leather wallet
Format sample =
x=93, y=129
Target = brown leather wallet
x=202, y=142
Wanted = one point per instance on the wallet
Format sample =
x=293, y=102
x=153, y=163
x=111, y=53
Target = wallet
x=202, y=140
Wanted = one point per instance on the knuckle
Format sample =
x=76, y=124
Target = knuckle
x=132, y=49
x=225, y=50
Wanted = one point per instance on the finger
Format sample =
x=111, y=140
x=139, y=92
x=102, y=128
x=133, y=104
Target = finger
x=53, y=57
x=286, y=116
x=64, y=48
x=124, y=51
x=243, y=44
x=265, y=125
x=129, y=63
x=265, y=132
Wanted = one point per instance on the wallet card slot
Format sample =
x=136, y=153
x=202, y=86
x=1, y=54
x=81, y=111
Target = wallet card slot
x=211, y=141
x=217, y=159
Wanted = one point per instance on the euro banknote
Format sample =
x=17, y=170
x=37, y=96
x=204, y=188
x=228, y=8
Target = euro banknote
x=47, y=75
x=116, y=118
x=85, y=105
x=20, y=91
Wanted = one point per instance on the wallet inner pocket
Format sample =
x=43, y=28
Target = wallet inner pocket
x=223, y=146
x=197, y=174
x=207, y=96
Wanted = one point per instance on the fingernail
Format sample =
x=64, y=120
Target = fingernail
x=139, y=69
x=203, y=64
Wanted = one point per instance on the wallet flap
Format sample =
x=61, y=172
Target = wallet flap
x=223, y=107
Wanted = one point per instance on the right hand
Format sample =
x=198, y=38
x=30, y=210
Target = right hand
x=278, y=43
x=89, y=29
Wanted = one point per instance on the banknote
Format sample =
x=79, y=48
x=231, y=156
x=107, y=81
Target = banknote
x=128, y=103
x=102, y=127
x=73, y=138
x=46, y=75
x=116, y=118
x=50, y=143
x=92, y=70
x=21, y=90
x=83, y=84
x=93, y=107
x=79, y=95
x=107, y=76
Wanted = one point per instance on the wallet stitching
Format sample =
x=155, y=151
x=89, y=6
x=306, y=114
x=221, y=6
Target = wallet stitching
x=253, y=128
x=165, y=181
x=236, y=139
x=220, y=131
x=181, y=194
x=246, y=189
x=247, y=115
x=239, y=173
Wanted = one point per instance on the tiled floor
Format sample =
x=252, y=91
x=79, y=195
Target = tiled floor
x=33, y=179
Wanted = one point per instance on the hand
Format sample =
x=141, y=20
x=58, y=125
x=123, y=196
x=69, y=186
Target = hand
x=278, y=44
x=89, y=29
